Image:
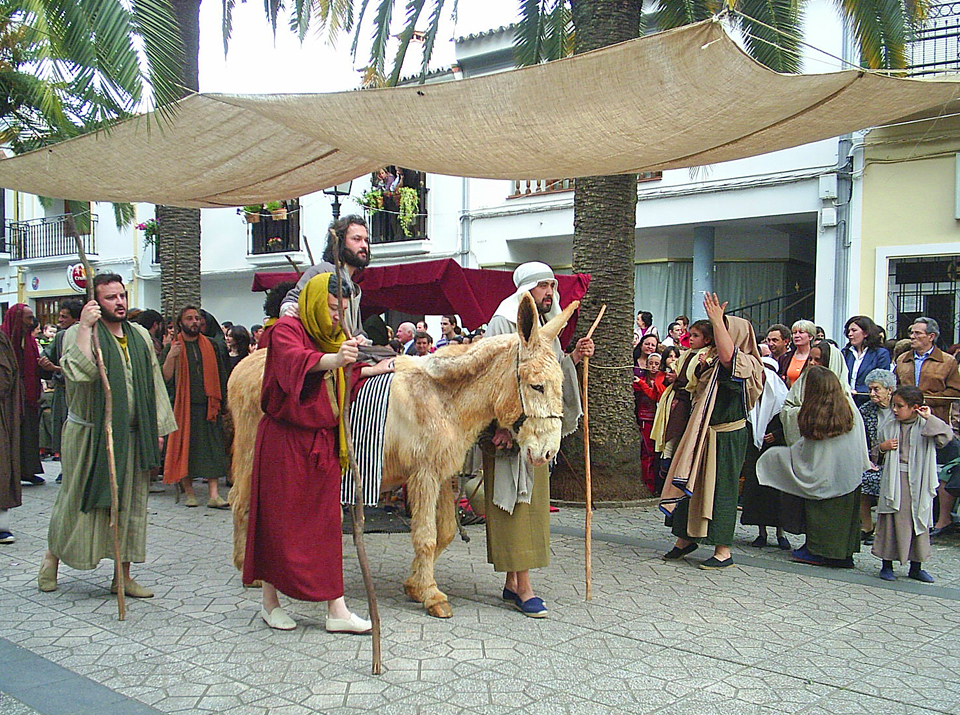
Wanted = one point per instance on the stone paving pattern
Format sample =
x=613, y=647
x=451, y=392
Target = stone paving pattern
x=764, y=637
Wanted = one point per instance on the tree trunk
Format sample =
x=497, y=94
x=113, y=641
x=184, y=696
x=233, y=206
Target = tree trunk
x=604, y=227
x=178, y=244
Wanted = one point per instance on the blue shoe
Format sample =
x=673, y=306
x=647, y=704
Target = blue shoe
x=887, y=574
x=920, y=575
x=803, y=556
x=509, y=595
x=783, y=543
x=6, y=537
x=533, y=607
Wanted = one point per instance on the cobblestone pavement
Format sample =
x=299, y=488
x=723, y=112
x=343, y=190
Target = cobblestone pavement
x=767, y=636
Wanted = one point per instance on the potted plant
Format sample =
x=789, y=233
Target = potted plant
x=274, y=243
x=252, y=213
x=277, y=209
x=151, y=231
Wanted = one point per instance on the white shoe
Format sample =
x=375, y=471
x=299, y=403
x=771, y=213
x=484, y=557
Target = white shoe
x=354, y=624
x=278, y=619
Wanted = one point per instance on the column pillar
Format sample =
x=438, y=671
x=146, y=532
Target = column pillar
x=703, y=251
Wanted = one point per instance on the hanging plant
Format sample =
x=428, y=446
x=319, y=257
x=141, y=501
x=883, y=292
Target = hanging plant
x=151, y=231
x=252, y=213
x=409, y=205
x=277, y=209
x=371, y=200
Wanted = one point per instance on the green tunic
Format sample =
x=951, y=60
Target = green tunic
x=208, y=456
x=53, y=352
x=81, y=539
x=731, y=451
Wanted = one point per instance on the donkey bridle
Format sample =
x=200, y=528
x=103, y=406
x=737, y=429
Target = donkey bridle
x=523, y=410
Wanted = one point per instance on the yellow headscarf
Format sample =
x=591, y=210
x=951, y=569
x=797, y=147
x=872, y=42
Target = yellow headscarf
x=315, y=316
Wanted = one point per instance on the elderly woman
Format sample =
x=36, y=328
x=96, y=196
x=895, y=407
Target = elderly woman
x=804, y=333
x=863, y=354
x=876, y=414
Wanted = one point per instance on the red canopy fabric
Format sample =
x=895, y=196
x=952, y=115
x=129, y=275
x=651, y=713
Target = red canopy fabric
x=441, y=287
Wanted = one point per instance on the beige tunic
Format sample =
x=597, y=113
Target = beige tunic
x=81, y=539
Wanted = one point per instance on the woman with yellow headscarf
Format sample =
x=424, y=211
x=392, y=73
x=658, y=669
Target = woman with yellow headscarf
x=294, y=540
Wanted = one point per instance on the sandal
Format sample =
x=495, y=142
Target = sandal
x=678, y=553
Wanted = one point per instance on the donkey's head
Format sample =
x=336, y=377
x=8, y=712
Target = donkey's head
x=536, y=412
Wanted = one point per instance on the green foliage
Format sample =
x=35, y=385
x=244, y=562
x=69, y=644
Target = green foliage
x=67, y=66
x=253, y=209
x=545, y=32
x=273, y=205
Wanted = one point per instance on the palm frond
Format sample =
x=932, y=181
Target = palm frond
x=381, y=37
x=881, y=30
x=677, y=13
x=430, y=38
x=124, y=215
x=356, y=35
x=414, y=8
x=772, y=31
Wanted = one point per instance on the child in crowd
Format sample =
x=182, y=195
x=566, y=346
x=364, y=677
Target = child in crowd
x=648, y=386
x=908, y=484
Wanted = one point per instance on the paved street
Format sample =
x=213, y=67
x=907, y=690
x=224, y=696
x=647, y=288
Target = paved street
x=767, y=636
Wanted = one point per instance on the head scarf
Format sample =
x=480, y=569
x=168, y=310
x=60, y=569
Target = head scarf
x=27, y=351
x=316, y=319
x=794, y=399
x=526, y=277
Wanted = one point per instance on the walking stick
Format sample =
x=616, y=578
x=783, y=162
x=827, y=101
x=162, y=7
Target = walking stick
x=71, y=229
x=588, y=521
x=357, y=511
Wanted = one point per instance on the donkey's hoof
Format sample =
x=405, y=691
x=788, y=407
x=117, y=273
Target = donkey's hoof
x=441, y=610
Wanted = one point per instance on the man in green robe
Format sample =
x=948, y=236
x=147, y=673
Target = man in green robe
x=49, y=361
x=196, y=376
x=80, y=533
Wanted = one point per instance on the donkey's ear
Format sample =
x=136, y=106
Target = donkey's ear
x=553, y=327
x=527, y=319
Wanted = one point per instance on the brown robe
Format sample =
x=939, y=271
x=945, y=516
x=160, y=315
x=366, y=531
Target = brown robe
x=11, y=398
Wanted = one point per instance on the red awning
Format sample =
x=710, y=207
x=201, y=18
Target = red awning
x=440, y=287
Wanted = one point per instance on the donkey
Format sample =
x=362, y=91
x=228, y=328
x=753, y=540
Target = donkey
x=438, y=406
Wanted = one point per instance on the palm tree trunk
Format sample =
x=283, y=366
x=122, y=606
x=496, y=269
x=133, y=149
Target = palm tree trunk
x=179, y=240
x=604, y=227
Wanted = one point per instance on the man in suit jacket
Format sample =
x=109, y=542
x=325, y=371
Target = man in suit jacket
x=405, y=333
x=936, y=373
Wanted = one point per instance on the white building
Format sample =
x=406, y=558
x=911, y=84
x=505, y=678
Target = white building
x=762, y=231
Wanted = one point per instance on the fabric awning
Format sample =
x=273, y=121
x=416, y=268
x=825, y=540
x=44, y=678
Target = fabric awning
x=675, y=99
x=440, y=287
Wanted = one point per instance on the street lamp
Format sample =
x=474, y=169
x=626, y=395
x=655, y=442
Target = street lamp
x=336, y=192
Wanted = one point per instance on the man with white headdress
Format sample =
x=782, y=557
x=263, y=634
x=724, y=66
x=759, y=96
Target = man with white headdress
x=518, y=495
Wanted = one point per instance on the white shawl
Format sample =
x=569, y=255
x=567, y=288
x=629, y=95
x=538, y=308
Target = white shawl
x=924, y=437
x=770, y=402
x=791, y=405
x=817, y=468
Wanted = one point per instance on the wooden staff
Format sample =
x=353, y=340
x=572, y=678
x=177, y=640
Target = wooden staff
x=295, y=266
x=71, y=229
x=357, y=510
x=588, y=521
x=306, y=244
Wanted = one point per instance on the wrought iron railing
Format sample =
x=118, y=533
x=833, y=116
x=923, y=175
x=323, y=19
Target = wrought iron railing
x=276, y=235
x=935, y=47
x=384, y=226
x=47, y=237
x=785, y=309
x=536, y=187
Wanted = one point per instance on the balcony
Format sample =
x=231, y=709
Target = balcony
x=385, y=225
x=935, y=48
x=275, y=235
x=539, y=187
x=45, y=239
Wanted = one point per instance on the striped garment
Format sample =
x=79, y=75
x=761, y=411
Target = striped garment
x=368, y=415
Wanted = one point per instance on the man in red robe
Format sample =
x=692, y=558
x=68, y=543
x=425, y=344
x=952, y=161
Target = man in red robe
x=294, y=542
x=18, y=325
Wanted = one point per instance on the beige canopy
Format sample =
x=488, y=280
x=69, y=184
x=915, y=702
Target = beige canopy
x=676, y=99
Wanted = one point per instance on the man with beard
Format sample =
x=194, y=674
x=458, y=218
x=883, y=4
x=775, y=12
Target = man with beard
x=349, y=236
x=518, y=495
x=80, y=533
x=196, y=375
x=68, y=315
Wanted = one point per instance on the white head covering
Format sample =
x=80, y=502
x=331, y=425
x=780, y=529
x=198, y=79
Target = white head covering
x=526, y=277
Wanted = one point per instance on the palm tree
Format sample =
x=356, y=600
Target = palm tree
x=605, y=206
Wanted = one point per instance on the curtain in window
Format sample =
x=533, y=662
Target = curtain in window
x=664, y=289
